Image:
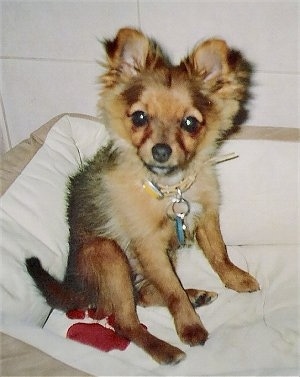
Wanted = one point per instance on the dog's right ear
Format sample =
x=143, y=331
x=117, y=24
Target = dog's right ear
x=126, y=54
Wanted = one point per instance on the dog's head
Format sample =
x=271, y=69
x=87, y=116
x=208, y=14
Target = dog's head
x=167, y=115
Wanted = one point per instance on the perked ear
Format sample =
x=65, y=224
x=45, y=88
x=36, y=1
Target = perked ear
x=127, y=53
x=210, y=59
x=220, y=68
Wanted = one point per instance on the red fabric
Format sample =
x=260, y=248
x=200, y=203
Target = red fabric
x=95, y=334
x=98, y=336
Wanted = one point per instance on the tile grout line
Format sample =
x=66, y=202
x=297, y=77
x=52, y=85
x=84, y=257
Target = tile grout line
x=55, y=60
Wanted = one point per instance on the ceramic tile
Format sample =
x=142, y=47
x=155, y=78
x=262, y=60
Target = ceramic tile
x=35, y=91
x=275, y=100
x=47, y=36
x=62, y=29
x=265, y=30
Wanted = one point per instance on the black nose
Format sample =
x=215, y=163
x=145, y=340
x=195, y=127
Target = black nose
x=161, y=152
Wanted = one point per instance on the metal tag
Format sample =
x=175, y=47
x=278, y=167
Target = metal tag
x=152, y=190
x=180, y=229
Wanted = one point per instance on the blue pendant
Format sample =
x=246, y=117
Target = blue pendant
x=180, y=226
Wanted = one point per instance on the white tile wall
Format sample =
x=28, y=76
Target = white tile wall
x=38, y=90
x=62, y=29
x=265, y=30
x=49, y=51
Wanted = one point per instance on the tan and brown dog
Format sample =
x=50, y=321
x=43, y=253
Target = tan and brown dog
x=152, y=187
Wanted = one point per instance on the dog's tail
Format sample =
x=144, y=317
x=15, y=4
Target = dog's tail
x=57, y=294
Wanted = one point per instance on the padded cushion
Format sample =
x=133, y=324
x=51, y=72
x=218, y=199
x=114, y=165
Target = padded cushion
x=259, y=194
x=259, y=191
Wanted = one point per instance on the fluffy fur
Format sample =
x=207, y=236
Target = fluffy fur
x=165, y=123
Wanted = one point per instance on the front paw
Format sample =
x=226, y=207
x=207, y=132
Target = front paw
x=240, y=281
x=193, y=334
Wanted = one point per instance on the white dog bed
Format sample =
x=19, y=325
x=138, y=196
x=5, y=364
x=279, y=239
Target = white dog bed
x=250, y=334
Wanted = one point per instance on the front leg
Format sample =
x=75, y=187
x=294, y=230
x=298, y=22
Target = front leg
x=158, y=269
x=210, y=240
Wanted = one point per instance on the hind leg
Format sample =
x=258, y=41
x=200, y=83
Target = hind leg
x=200, y=298
x=148, y=295
x=106, y=270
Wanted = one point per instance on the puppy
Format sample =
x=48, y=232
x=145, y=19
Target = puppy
x=152, y=189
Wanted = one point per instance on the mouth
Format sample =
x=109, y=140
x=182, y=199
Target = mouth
x=161, y=170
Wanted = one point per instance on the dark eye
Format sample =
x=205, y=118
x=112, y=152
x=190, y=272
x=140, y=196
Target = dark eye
x=190, y=124
x=139, y=118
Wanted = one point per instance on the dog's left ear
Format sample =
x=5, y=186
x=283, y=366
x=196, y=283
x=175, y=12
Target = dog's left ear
x=221, y=69
x=210, y=59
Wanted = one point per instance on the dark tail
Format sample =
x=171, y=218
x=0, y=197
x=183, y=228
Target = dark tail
x=57, y=294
